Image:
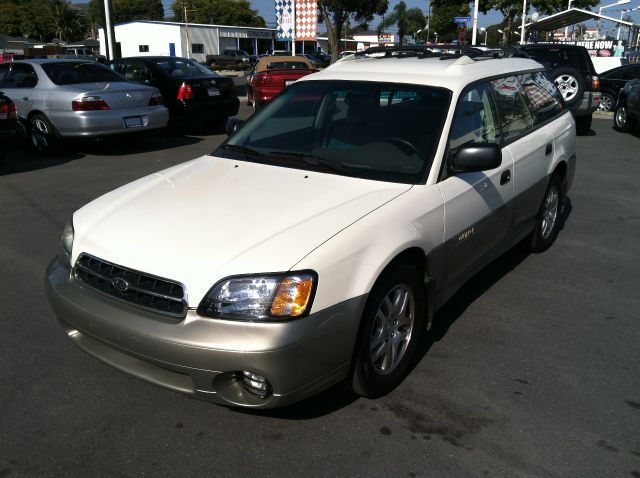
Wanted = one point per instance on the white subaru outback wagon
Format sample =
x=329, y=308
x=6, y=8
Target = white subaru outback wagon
x=315, y=244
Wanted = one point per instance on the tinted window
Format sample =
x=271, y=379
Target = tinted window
x=544, y=97
x=71, y=73
x=347, y=127
x=474, y=120
x=136, y=71
x=21, y=76
x=514, y=107
x=178, y=67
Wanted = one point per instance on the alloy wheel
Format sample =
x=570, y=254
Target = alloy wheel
x=568, y=86
x=606, y=103
x=549, y=212
x=392, y=327
x=621, y=116
x=39, y=134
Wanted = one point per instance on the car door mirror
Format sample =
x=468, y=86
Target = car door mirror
x=475, y=157
x=233, y=125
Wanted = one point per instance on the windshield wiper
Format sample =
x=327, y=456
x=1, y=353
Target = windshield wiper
x=314, y=160
x=246, y=152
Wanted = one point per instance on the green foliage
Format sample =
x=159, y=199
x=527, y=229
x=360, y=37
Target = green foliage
x=127, y=10
x=43, y=20
x=219, y=12
x=336, y=13
x=410, y=20
x=442, y=14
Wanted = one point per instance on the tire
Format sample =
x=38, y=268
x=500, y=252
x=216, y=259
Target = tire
x=583, y=124
x=621, y=120
x=377, y=368
x=607, y=102
x=548, y=218
x=42, y=134
x=570, y=83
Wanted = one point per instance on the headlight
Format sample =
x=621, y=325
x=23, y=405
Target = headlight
x=265, y=297
x=66, y=241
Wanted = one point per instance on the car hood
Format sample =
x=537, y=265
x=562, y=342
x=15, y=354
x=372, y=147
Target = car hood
x=211, y=218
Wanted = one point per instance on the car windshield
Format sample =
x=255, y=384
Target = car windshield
x=181, y=67
x=71, y=73
x=380, y=131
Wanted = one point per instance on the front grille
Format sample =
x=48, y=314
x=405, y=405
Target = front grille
x=143, y=290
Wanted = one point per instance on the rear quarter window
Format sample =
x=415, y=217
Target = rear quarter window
x=545, y=100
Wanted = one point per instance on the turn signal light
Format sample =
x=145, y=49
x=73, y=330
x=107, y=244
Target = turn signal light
x=89, y=103
x=292, y=296
x=185, y=92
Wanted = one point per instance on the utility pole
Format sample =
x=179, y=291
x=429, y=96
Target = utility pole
x=428, y=22
x=293, y=40
x=186, y=28
x=475, y=23
x=108, y=30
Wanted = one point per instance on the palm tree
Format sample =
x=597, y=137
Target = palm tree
x=410, y=20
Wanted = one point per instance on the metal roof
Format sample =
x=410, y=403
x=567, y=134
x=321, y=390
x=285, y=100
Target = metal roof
x=572, y=17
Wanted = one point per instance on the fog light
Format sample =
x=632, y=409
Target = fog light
x=256, y=384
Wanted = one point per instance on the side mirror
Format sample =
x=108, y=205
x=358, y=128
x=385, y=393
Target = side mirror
x=475, y=157
x=233, y=125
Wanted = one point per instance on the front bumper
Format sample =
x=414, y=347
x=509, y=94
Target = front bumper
x=203, y=357
x=88, y=124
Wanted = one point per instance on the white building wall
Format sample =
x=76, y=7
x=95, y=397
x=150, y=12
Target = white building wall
x=204, y=35
x=157, y=36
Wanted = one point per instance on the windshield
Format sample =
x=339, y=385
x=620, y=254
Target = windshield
x=72, y=73
x=181, y=67
x=381, y=131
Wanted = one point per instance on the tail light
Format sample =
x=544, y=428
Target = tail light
x=595, y=83
x=156, y=99
x=185, y=92
x=263, y=80
x=8, y=110
x=89, y=103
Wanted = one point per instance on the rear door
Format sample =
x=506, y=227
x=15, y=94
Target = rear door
x=477, y=205
x=19, y=85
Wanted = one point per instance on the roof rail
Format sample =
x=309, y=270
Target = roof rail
x=424, y=51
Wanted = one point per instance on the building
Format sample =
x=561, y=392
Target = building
x=142, y=37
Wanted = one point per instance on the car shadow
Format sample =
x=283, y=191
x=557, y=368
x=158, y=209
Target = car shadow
x=125, y=145
x=338, y=397
x=22, y=159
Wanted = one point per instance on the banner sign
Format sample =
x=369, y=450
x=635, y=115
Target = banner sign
x=306, y=20
x=600, y=47
x=284, y=19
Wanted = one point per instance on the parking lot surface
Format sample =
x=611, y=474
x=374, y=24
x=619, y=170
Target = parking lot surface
x=531, y=370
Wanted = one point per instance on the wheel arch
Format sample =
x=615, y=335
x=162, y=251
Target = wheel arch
x=34, y=112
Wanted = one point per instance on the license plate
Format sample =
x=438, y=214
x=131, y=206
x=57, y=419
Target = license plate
x=288, y=82
x=213, y=91
x=133, y=122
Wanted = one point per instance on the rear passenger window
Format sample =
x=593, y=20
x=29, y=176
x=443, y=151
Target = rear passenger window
x=544, y=97
x=517, y=117
x=475, y=119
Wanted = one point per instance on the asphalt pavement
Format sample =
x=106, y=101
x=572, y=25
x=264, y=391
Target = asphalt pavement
x=532, y=369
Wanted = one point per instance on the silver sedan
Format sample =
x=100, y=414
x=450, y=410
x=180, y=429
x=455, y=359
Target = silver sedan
x=59, y=99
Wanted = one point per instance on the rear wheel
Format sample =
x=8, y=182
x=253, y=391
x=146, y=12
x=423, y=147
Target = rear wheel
x=607, y=102
x=583, y=124
x=41, y=134
x=392, y=324
x=548, y=219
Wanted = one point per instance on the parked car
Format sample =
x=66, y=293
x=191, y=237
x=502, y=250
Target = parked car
x=316, y=63
x=190, y=91
x=320, y=56
x=573, y=72
x=627, y=111
x=58, y=99
x=316, y=243
x=273, y=74
x=10, y=131
x=231, y=57
x=612, y=81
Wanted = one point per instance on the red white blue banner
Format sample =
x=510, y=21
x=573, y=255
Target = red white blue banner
x=285, y=27
x=306, y=20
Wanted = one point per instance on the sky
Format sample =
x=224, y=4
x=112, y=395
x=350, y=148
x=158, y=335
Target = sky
x=266, y=9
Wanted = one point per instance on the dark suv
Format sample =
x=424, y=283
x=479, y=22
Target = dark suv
x=572, y=70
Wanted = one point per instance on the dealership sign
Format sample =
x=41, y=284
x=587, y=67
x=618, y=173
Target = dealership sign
x=599, y=47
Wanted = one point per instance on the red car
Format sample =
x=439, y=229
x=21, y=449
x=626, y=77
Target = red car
x=272, y=74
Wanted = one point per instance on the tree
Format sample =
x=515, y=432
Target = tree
x=127, y=10
x=442, y=14
x=335, y=14
x=220, y=12
x=410, y=20
x=10, y=17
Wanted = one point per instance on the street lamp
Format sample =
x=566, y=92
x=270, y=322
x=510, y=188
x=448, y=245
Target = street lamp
x=621, y=15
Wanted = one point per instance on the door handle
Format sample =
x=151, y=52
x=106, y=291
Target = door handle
x=548, y=150
x=505, y=177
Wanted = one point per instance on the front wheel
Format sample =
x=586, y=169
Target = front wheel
x=621, y=120
x=548, y=219
x=392, y=324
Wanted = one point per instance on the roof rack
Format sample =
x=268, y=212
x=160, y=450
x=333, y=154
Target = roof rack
x=424, y=51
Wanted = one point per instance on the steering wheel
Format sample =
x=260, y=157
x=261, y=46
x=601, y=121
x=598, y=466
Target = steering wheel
x=405, y=146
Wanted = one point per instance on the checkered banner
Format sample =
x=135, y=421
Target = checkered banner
x=284, y=19
x=306, y=19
